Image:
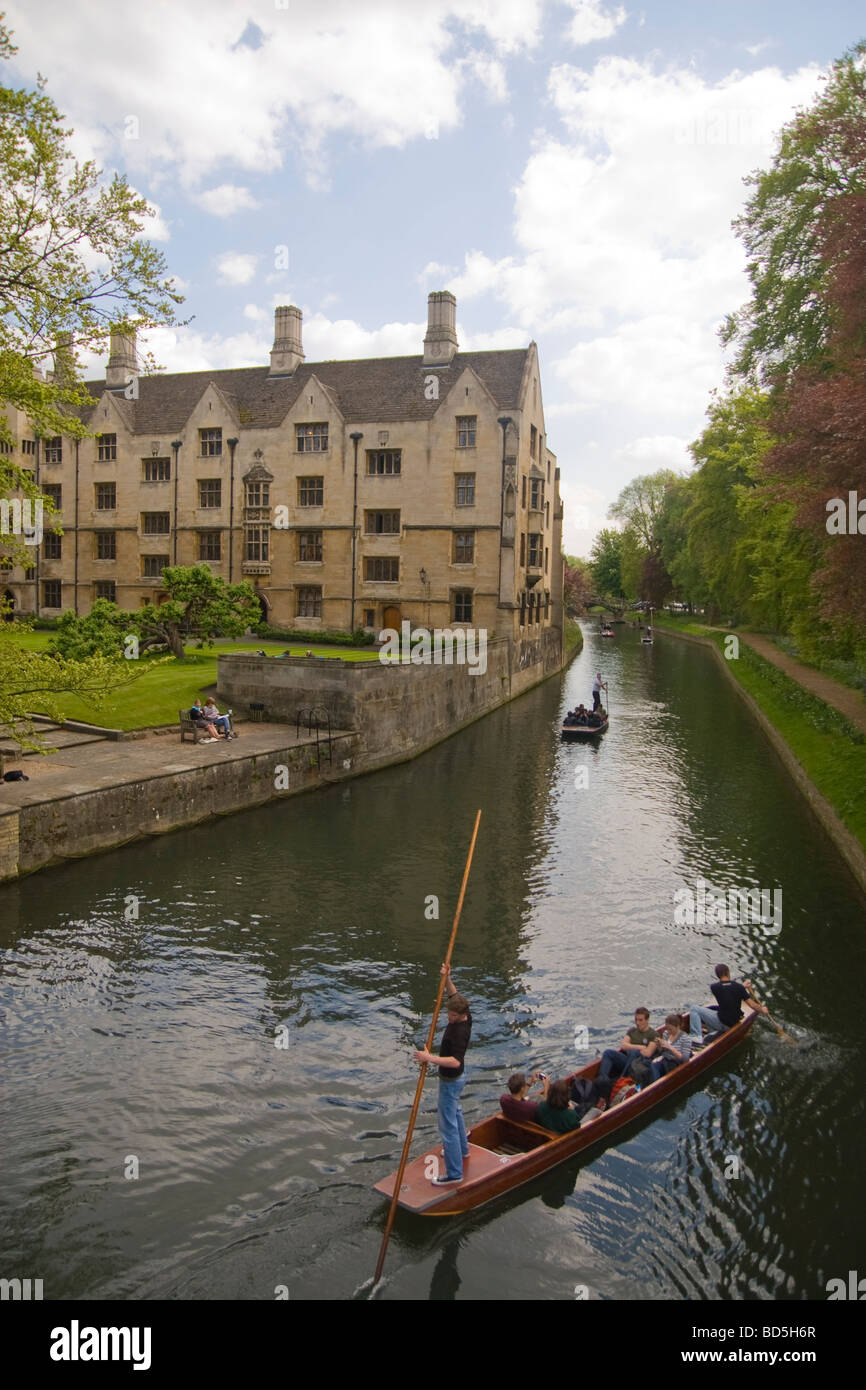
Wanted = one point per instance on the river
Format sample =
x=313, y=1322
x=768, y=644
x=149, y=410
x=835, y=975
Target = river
x=159, y=1144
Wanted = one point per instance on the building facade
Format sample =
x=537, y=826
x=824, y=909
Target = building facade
x=350, y=494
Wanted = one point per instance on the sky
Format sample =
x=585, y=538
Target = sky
x=570, y=169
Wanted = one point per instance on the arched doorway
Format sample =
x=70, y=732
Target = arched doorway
x=263, y=608
x=392, y=617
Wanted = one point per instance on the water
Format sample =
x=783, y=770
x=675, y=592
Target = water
x=150, y=1044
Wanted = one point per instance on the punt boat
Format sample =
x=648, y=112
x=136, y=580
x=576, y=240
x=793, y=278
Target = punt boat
x=576, y=731
x=608, y=632
x=504, y=1154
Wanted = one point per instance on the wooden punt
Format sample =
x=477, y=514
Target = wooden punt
x=573, y=731
x=504, y=1154
x=607, y=632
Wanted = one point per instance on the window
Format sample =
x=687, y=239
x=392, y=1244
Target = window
x=311, y=492
x=106, y=497
x=30, y=573
x=522, y=548
x=51, y=546
x=462, y=605
x=258, y=495
x=106, y=448
x=155, y=523
x=536, y=494
x=309, y=545
x=310, y=602
x=465, y=490
x=466, y=431
x=369, y=617
x=546, y=514
x=523, y=491
x=464, y=547
x=547, y=604
x=54, y=493
x=106, y=588
x=382, y=462
x=6, y=447
x=312, y=439
x=380, y=569
x=210, y=492
x=258, y=543
x=152, y=566
x=51, y=593
x=535, y=550
x=54, y=450
x=546, y=559
x=209, y=545
x=210, y=443
x=533, y=441
x=382, y=523
x=156, y=470
x=106, y=545
x=28, y=446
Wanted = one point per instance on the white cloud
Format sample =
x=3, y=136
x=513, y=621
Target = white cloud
x=226, y=200
x=256, y=313
x=593, y=21
x=236, y=268
x=317, y=68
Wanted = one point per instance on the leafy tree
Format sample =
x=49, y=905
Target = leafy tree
x=72, y=261
x=605, y=563
x=640, y=504
x=100, y=633
x=199, y=604
x=577, y=584
x=818, y=174
x=36, y=678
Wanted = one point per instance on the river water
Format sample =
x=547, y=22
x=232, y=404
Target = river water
x=148, y=1046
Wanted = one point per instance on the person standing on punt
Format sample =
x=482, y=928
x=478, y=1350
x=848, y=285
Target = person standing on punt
x=598, y=686
x=452, y=1079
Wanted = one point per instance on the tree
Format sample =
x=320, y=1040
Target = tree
x=100, y=633
x=577, y=584
x=72, y=262
x=29, y=679
x=819, y=167
x=604, y=563
x=640, y=503
x=199, y=604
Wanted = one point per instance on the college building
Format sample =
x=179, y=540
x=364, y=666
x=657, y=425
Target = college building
x=349, y=494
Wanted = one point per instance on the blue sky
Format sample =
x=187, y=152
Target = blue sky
x=570, y=170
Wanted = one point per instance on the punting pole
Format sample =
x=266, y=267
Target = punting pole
x=423, y=1071
x=786, y=1037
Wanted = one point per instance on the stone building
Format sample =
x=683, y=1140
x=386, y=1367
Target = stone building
x=350, y=494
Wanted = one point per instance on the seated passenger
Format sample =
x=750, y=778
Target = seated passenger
x=514, y=1104
x=676, y=1047
x=554, y=1110
x=719, y=1017
x=570, y=719
x=590, y=1098
x=581, y=714
x=639, y=1041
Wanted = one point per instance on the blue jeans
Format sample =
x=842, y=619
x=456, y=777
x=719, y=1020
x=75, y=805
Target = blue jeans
x=221, y=721
x=698, y=1016
x=614, y=1062
x=451, y=1126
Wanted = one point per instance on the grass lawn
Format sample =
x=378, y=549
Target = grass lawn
x=831, y=750
x=161, y=690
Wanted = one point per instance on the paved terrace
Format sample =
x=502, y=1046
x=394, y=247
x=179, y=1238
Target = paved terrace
x=90, y=762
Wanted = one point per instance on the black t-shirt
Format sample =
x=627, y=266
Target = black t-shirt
x=730, y=995
x=455, y=1041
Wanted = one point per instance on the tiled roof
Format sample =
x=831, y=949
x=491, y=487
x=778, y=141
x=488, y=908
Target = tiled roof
x=372, y=388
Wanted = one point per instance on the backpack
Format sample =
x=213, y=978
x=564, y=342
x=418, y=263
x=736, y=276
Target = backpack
x=640, y=1071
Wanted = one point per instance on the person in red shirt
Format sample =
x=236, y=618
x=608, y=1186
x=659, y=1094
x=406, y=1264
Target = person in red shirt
x=514, y=1104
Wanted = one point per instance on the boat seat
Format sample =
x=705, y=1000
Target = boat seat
x=530, y=1127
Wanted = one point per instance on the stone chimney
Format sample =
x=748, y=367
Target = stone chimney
x=122, y=364
x=440, y=340
x=64, y=361
x=287, y=352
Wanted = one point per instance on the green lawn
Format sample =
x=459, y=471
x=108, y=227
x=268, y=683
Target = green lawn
x=161, y=690
x=831, y=750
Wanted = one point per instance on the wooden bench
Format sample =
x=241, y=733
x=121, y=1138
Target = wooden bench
x=189, y=726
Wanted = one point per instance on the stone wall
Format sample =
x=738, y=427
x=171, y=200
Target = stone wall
x=397, y=710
